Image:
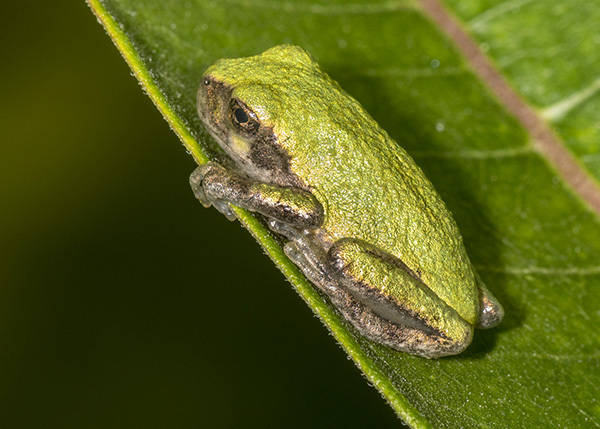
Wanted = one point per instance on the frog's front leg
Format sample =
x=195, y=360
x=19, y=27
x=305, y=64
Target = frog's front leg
x=214, y=185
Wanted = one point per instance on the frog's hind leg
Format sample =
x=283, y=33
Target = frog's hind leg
x=389, y=305
x=359, y=281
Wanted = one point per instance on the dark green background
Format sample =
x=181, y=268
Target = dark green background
x=123, y=302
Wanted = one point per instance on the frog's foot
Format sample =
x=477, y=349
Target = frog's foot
x=305, y=251
x=197, y=180
x=284, y=229
x=312, y=268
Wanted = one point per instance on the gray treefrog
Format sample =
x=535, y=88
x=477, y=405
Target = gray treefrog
x=363, y=222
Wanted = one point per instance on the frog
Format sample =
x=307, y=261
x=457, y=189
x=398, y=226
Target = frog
x=358, y=217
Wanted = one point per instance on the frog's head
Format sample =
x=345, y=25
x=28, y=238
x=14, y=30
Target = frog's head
x=264, y=110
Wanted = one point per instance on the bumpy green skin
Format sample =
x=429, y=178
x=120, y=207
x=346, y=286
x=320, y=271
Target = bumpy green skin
x=364, y=223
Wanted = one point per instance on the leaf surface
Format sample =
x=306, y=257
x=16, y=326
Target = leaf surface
x=531, y=238
x=550, y=52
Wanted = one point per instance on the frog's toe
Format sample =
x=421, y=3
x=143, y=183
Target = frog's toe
x=284, y=229
x=196, y=179
x=224, y=208
x=490, y=310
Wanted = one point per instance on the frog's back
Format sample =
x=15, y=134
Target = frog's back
x=369, y=186
x=372, y=190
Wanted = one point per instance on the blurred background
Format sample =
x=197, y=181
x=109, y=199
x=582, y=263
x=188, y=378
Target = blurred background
x=123, y=302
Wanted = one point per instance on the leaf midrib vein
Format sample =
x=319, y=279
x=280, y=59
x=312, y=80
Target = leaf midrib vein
x=545, y=141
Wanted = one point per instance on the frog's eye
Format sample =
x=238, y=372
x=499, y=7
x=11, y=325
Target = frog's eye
x=243, y=118
x=240, y=116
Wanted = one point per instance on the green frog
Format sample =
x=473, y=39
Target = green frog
x=361, y=220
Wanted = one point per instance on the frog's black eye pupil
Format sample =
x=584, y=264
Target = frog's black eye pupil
x=241, y=116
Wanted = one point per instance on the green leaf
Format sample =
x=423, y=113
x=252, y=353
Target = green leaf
x=550, y=52
x=532, y=239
